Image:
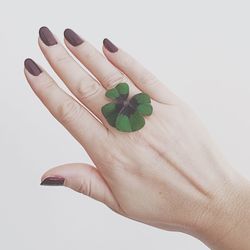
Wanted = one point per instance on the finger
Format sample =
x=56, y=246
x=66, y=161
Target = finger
x=79, y=122
x=80, y=83
x=142, y=78
x=95, y=62
x=82, y=178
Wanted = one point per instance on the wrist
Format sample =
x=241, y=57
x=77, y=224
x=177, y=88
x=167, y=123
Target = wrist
x=226, y=222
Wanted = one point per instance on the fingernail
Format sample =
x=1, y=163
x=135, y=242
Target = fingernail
x=32, y=67
x=47, y=37
x=72, y=37
x=53, y=181
x=109, y=45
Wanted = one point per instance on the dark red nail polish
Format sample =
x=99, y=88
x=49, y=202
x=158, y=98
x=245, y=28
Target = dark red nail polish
x=53, y=181
x=32, y=67
x=109, y=46
x=47, y=37
x=73, y=38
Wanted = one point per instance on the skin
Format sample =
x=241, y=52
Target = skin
x=169, y=174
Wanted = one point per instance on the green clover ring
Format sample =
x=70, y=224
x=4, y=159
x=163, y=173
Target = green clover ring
x=126, y=115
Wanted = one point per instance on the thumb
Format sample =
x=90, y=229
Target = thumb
x=82, y=178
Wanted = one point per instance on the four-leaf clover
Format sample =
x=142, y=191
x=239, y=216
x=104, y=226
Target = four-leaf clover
x=126, y=115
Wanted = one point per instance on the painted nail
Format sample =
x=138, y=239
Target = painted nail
x=32, y=67
x=109, y=46
x=53, y=181
x=72, y=37
x=47, y=37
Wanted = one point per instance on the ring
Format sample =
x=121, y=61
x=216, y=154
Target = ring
x=123, y=114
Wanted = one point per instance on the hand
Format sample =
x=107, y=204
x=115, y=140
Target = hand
x=169, y=174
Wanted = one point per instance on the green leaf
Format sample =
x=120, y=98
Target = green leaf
x=108, y=108
x=141, y=98
x=111, y=118
x=136, y=121
x=110, y=111
x=145, y=109
x=112, y=93
x=120, y=91
x=122, y=88
x=122, y=123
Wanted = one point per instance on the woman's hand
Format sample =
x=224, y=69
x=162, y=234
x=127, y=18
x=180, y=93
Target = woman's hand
x=169, y=174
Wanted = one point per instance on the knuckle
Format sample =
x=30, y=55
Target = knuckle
x=48, y=84
x=86, y=185
x=149, y=79
x=69, y=111
x=84, y=188
x=110, y=80
x=86, y=49
x=45, y=82
x=62, y=58
x=86, y=90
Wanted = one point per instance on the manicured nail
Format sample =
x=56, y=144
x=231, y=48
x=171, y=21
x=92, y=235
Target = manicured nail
x=47, y=37
x=32, y=67
x=53, y=181
x=72, y=37
x=109, y=46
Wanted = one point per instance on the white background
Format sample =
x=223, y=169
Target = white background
x=200, y=49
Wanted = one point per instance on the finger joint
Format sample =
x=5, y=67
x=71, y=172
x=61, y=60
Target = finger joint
x=69, y=112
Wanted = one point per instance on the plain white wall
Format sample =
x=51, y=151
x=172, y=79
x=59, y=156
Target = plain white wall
x=199, y=48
